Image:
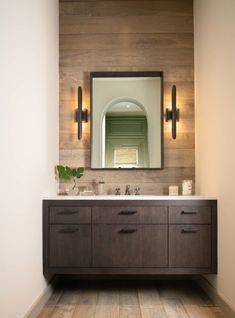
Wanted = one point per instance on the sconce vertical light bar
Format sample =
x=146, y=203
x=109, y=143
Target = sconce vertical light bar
x=79, y=112
x=173, y=114
x=80, y=115
x=174, y=111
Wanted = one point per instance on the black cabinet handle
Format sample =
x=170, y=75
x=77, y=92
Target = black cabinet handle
x=189, y=231
x=67, y=231
x=188, y=212
x=127, y=212
x=127, y=231
x=67, y=212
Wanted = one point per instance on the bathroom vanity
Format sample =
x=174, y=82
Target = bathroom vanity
x=129, y=235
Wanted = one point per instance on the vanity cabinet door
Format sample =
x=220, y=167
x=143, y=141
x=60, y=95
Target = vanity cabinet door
x=130, y=245
x=70, y=245
x=190, y=246
x=116, y=246
x=154, y=246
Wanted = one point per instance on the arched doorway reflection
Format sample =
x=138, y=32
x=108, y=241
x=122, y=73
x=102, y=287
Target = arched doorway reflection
x=125, y=135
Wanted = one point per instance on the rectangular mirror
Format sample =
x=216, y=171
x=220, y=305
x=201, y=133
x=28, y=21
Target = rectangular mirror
x=126, y=120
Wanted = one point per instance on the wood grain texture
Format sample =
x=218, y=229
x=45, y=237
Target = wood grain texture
x=107, y=304
x=68, y=243
x=66, y=311
x=147, y=246
x=190, y=215
x=68, y=215
x=164, y=299
x=174, y=308
x=130, y=35
x=125, y=8
x=109, y=57
x=129, y=215
x=73, y=24
x=117, y=41
x=46, y=312
x=190, y=246
x=102, y=249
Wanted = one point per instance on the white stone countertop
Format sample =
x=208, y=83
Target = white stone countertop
x=128, y=197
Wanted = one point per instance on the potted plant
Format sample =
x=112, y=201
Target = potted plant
x=68, y=173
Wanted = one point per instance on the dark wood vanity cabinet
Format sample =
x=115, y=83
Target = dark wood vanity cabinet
x=130, y=246
x=70, y=245
x=129, y=237
x=69, y=236
x=190, y=236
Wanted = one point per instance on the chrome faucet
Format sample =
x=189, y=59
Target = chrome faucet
x=128, y=190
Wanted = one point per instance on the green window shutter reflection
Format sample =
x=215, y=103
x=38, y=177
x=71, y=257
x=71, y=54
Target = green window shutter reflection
x=126, y=143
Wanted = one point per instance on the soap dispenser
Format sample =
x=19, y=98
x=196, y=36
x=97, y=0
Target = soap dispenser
x=101, y=187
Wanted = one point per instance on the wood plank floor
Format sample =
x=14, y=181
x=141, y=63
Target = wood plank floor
x=130, y=299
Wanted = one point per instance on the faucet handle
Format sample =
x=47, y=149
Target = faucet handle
x=128, y=190
x=137, y=190
x=117, y=191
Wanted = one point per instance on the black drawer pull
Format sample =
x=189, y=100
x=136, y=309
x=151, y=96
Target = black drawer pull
x=127, y=212
x=67, y=231
x=188, y=212
x=127, y=231
x=67, y=212
x=189, y=231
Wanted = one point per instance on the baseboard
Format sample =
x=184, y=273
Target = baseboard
x=40, y=302
x=215, y=297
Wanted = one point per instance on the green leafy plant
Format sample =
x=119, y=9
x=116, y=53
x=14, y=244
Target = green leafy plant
x=66, y=173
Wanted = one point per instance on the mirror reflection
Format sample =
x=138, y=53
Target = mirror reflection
x=126, y=125
x=126, y=136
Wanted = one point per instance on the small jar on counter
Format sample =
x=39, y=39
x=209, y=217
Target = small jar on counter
x=187, y=187
x=101, y=187
x=173, y=190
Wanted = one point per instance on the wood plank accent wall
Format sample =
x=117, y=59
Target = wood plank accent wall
x=135, y=35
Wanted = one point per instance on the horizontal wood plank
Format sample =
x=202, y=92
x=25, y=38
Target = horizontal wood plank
x=81, y=74
x=73, y=24
x=127, y=8
x=170, y=296
x=126, y=57
x=122, y=41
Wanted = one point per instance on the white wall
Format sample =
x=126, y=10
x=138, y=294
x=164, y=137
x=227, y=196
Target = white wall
x=28, y=144
x=215, y=126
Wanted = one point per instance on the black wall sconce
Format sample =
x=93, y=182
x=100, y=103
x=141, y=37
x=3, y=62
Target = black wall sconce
x=80, y=115
x=174, y=113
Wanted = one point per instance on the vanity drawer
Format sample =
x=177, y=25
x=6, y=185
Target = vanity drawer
x=190, y=215
x=126, y=245
x=129, y=215
x=190, y=246
x=70, y=215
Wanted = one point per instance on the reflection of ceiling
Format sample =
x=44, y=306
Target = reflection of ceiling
x=127, y=108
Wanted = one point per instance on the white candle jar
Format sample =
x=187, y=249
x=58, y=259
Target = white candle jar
x=187, y=187
x=173, y=190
